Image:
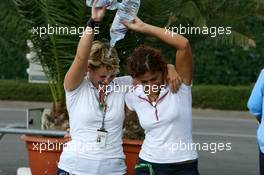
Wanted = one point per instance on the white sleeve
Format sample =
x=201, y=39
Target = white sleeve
x=187, y=89
x=185, y=95
x=71, y=96
x=129, y=99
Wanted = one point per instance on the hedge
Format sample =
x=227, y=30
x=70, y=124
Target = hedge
x=204, y=96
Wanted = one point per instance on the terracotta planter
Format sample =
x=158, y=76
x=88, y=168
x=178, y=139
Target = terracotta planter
x=44, y=154
x=131, y=150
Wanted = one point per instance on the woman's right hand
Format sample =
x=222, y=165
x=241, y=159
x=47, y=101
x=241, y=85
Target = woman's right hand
x=98, y=12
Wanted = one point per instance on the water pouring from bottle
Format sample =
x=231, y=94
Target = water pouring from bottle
x=126, y=12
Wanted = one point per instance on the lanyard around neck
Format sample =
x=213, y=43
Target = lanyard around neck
x=102, y=106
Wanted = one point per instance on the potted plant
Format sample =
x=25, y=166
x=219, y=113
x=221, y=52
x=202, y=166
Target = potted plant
x=133, y=135
x=55, y=52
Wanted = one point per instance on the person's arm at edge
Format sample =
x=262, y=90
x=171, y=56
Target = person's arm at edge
x=255, y=102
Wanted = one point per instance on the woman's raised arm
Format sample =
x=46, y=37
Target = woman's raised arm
x=180, y=43
x=76, y=73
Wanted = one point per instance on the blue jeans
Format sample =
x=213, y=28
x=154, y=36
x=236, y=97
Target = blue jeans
x=261, y=163
x=168, y=169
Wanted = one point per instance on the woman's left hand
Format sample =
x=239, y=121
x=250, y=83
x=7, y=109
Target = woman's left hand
x=173, y=79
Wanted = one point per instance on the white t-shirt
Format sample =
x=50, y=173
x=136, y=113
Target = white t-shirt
x=86, y=118
x=168, y=126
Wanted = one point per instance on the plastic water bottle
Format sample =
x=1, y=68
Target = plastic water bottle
x=113, y=4
x=126, y=11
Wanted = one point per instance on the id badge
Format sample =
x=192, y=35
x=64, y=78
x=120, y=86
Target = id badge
x=101, y=138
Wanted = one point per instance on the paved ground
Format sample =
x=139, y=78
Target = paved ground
x=238, y=128
x=210, y=127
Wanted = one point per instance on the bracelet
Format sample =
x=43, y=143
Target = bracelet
x=92, y=23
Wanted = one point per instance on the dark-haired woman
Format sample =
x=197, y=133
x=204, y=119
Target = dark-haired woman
x=166, y=117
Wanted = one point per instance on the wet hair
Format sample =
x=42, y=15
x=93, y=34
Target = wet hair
x=99, y=56
x=144, y=59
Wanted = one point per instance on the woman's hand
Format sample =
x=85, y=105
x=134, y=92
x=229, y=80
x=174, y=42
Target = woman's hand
x=136, y=24
x=98, y=12
x=173, y=78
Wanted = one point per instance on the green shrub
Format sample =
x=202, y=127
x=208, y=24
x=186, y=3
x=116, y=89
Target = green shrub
x=204, y=96
x=221, y=97
x=23, y=91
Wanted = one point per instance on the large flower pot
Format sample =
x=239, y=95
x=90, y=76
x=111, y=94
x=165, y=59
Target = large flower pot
x=131, y=150
x=44, y=154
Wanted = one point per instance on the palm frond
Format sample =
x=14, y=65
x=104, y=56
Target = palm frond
x=55, y=51
x=236, y=38
x=189, y=10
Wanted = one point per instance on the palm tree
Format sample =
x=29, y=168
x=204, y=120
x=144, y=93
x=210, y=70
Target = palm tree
x=56, y=51
x=54, y=28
